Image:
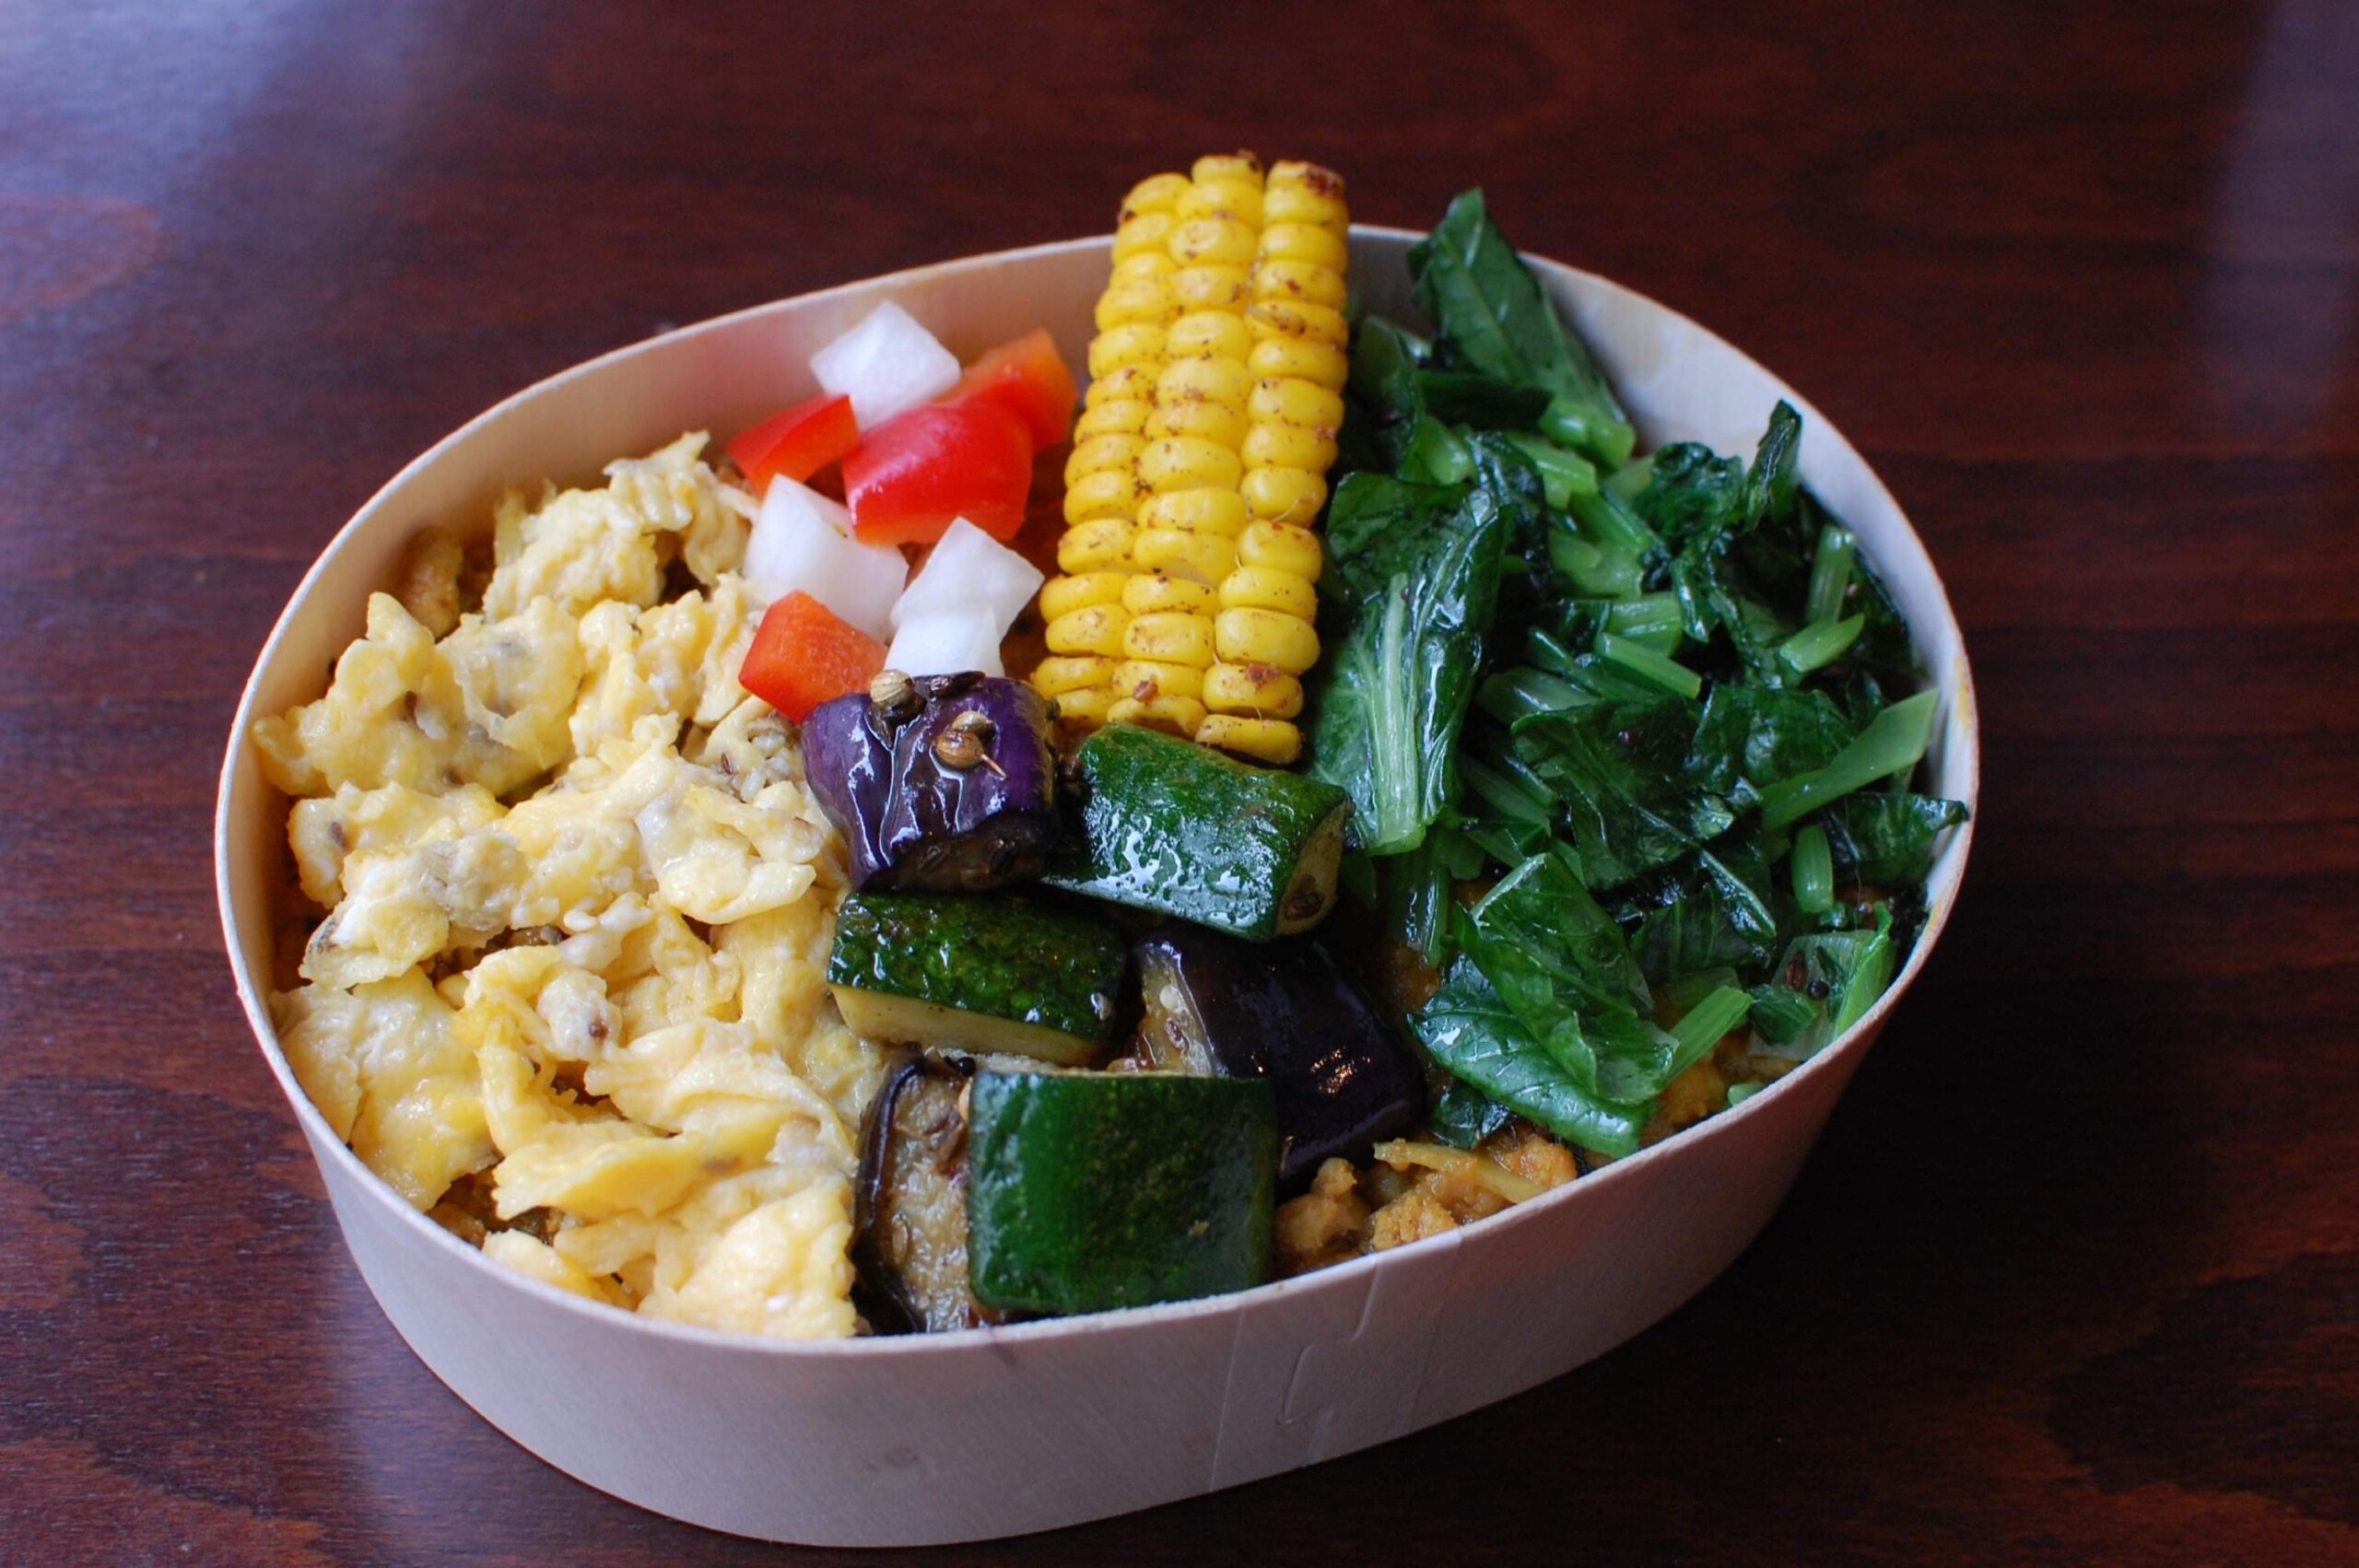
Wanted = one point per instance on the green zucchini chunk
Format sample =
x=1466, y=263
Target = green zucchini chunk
x=1087, y=1191
x=977, y=972
x=1181, y=829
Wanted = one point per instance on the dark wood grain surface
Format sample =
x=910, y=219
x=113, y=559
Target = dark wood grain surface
x=2074, y=1275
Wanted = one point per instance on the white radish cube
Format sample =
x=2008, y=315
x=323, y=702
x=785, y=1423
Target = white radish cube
x=886, y=365
x=970, y=567
x=948, y=642
x=803, y=541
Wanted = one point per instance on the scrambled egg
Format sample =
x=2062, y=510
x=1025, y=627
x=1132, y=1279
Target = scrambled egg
x=579, y=904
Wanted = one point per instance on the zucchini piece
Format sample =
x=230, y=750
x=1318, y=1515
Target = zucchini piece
x=976, y=973
x=1087, y=1191
x=1179, y=828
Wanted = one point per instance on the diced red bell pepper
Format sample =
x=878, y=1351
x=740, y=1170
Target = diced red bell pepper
x=804, y=655
x=796, y=442
x=1029, y=378
x=914, y=475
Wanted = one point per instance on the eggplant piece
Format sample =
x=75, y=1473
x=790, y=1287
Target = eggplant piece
x=940, y=783
x=910, y=1231
x=1280, y=1011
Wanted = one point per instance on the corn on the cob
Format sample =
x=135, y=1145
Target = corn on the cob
x=1201, y=459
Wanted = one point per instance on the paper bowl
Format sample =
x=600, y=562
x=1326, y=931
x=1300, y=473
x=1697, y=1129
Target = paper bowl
x=996, y=1431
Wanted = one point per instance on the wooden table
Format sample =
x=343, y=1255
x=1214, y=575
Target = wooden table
x=2072, y=1277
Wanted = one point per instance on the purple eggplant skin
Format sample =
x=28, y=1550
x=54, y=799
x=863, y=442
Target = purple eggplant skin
x=909, y=1244
x=917, y=823
x=1284, y=1012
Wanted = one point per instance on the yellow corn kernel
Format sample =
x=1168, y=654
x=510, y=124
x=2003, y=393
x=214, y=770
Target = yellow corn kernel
x=1094, y=546
x=1138, y=344
x=1153, y=300
x=1289, y=400
x=1186, y=462
x=1108, y=495
x=1321, y=364
x=1238, y=165
x=1206, y=335
x=1273, y=741
x=1300, y=280
x=1126, y=417
x=1272, y=547
x=1281, y=446
x=1198, y=557
x=1260, y=588
x=1221, y=513
x=1282, y=203
x=1211, y=288
x=1147, y=679
x=1261, y=637
x=1063, y=595
x=1148, y=592
x=1262, y=690
x=1238, y=199
x=1084, y=708
x=1132, y=384
x=1061, y=673
x=1217, y=422
x=1156, y=192
x=1104, y=454
x=1314, y=324
x=1204, y=380
x=1215, y=242
x=1284, y=495
x=1145, y=264
x=1140, y=232
x=1180, y=716
x=1171, y=637
x=1310, y=242
x=1095, y=628
x=1302, y=173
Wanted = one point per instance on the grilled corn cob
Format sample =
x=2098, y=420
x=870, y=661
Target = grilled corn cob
x=1201, y=459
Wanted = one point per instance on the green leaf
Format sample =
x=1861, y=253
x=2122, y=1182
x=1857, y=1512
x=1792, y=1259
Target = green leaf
x=1617, y=766
x=1471, y=1030
x=1541, y=911
x=1888, y=840
x=1491, y=316
x=1463, y=1116
x=1695, y=493
x=1769, y=486
x=1469, y=397
x=1413, y=583
x=1719, y=909
x=1752, y=737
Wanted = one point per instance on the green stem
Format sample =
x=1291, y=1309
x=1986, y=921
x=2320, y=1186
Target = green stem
x=1830, y=572
x=1813, y=869
x=1893, y=740
x=1649, y=665
x=1563, y=474
x=1608, y=572
x=1703, y=1027
x=1821, y=643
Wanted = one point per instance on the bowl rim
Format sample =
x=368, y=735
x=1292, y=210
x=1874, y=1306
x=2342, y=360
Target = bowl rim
x=1965, y=722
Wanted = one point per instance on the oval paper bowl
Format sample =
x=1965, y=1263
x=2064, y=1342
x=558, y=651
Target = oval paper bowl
x=995, y=1432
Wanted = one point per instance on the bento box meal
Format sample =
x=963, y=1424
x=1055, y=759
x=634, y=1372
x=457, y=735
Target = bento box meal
x=1028, y=836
